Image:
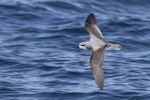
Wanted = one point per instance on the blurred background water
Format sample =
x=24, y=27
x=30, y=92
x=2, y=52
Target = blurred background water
x=40, y=58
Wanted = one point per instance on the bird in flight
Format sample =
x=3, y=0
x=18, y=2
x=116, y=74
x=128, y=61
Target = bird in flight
x=98, y=45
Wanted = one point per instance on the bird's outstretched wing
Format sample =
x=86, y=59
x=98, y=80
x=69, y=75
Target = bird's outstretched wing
x=96, y=65
x=92, y=28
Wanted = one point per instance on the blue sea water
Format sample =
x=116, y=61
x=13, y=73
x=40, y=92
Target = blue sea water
x=40, y=58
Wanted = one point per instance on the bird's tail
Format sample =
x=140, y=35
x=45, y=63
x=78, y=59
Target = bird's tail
x=113, y=46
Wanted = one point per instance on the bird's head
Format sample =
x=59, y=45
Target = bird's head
x=85, y=45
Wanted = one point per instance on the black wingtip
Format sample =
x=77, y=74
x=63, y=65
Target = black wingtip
x=90, y=20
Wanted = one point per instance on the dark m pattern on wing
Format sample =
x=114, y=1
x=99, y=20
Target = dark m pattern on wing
x=92, y=27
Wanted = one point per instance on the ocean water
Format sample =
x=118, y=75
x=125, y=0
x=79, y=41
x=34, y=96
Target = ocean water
x=40, y=58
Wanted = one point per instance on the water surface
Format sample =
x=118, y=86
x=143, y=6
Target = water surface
x=40, y=58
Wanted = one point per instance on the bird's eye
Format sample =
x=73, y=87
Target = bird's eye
x=82, y=45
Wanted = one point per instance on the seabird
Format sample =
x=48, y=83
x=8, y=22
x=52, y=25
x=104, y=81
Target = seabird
x=98, y=45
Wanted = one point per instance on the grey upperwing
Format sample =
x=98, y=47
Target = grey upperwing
x=92, y=28
x=96, y=66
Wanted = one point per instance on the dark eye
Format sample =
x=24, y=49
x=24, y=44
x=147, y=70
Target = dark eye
x=82, y=45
